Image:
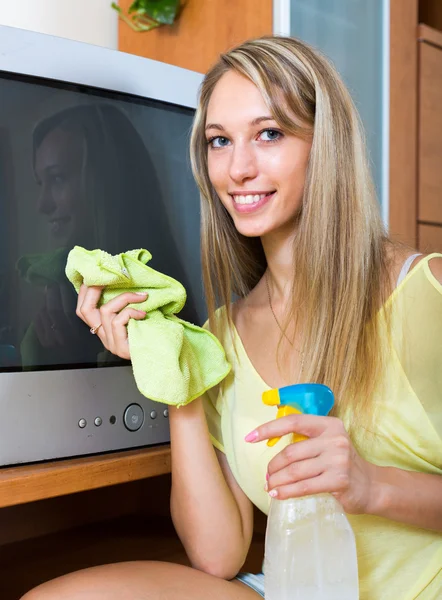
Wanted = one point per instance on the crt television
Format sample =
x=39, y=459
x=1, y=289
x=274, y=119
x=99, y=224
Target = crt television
x=93, y=152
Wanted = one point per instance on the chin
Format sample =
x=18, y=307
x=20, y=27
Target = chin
x=252, y=231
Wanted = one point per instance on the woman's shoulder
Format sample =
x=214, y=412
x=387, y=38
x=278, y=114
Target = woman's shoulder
x=434, y=261
x=404, y=261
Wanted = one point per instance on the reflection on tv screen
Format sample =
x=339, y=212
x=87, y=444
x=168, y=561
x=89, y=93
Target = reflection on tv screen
x=78, y=167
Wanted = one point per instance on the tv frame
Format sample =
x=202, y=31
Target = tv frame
x=41, y=412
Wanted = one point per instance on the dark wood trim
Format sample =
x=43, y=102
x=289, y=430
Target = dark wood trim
x=429, y=35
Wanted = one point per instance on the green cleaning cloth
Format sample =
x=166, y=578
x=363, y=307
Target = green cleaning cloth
x=173, y=361
x=43, y=269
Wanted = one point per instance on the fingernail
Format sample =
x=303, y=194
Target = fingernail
x=267, y=476
x=273, y=493
x=141, y=293
x=266, y=487
x=252, y=436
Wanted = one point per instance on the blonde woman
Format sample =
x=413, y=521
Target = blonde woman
x=290, y=223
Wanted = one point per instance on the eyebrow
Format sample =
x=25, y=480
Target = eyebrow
x=253, y=123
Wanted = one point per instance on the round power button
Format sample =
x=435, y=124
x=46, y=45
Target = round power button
x=133, y=417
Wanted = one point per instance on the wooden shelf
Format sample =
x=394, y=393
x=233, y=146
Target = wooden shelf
x=47, y=480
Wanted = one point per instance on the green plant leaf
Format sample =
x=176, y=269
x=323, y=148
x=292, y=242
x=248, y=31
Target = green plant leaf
x=138, y=22
x=163, y=12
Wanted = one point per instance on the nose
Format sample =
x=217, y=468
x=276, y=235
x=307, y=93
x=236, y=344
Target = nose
x=243, y=164
x=46, y=204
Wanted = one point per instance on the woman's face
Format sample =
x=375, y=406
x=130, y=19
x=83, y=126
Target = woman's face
x=257, y=170
x=59, y=173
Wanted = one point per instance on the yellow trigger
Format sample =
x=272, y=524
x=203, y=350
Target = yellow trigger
x=284, y=411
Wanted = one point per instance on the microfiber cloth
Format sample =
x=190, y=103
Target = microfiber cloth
x=173, y=361
x=43, y=269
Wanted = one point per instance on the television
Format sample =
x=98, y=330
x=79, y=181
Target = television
x=93, y=152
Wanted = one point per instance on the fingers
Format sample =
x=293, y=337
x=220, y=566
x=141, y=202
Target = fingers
x=87, y=305
x=296, y=472
x=294, y=453
x=58, y=321
x=112, y=316
x=119, y=330
x=50, y=322
x=115, y=331
x=308, y=425
x=324, y=483
x=69, y=302
x=320, y=464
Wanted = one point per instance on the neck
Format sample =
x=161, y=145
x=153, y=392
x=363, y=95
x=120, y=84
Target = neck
x=278, y=248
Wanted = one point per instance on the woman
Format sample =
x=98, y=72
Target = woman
x=290, y=224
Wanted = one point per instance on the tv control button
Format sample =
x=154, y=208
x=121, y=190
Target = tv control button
x=133, y=417
x=82, y=423
x=166, y=412
x=153, y=414
x=98, y=421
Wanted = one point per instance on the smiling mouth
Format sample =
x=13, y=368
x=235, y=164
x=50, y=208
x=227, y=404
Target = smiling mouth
x=58, y=223
x=251, y=198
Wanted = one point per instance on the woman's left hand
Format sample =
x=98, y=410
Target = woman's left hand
x=326, y=462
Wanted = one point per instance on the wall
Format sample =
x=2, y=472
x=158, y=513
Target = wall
x=91, y=21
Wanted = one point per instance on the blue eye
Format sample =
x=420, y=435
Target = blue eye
x=218, y=142
x=272, y=135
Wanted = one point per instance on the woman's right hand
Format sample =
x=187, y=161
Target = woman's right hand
x=111, y=319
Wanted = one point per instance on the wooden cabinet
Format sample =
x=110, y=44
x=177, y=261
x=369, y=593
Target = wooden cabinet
x=204, y=30
x=430, y=140
x=430, y=238
x=416, y=123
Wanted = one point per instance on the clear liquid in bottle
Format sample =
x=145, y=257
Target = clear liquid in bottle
x=310, y=551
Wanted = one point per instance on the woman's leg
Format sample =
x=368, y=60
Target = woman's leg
x=141, y=581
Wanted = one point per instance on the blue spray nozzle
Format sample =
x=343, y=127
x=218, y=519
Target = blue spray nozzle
x=307, y=398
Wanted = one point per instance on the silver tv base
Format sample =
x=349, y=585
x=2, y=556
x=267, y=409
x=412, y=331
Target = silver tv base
x=58, y=414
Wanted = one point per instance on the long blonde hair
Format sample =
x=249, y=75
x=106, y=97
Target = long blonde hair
x=340, y=270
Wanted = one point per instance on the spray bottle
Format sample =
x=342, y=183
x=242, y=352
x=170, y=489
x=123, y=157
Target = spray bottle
x=310, y=550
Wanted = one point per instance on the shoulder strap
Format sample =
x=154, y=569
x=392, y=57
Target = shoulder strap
x=406, y=267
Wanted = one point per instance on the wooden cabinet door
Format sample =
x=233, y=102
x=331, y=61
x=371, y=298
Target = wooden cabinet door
x=430, y=238
x=430, y=134
x=204, y=30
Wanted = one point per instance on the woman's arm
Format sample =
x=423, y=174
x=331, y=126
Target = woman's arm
x=212, y=515
x=328, y=462
x=405, y=496
x=408, y=497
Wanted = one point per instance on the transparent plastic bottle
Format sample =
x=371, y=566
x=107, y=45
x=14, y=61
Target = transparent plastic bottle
x=310, y=549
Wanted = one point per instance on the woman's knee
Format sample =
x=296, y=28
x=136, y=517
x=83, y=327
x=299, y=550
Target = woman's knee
x=148, y=580
x=122, y=581
x=142, y=581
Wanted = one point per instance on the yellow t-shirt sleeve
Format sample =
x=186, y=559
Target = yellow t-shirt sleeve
x=212, y=409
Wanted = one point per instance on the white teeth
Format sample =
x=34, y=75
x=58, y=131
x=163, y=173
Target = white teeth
x=249, y=198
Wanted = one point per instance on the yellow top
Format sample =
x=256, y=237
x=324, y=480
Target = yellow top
x=396, y=561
